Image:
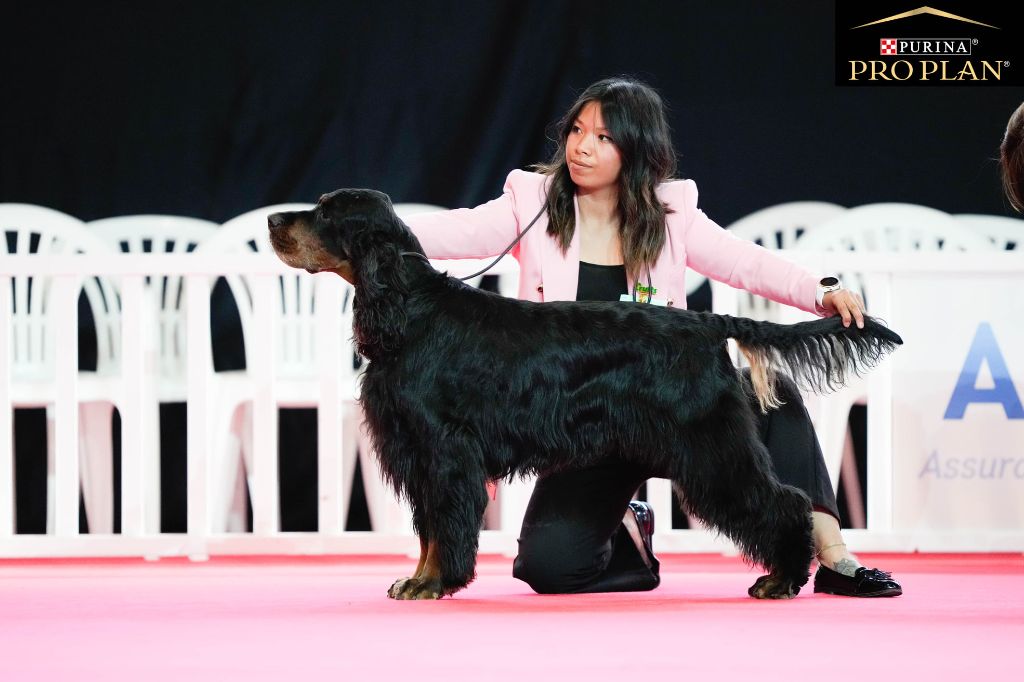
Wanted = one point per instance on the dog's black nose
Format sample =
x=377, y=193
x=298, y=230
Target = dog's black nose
x=276, y=220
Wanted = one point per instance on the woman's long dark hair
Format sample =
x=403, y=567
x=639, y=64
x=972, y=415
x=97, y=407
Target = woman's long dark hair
x=1011, y=156
x=635, y=117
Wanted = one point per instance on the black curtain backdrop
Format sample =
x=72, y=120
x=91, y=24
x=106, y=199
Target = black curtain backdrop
x=210, y=109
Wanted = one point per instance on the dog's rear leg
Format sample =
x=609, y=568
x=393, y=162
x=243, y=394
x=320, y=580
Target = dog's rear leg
x=454, y=514
x=726, y=479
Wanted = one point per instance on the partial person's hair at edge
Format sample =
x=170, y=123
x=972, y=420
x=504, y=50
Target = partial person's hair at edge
x=1011, y=159
x=635, y=117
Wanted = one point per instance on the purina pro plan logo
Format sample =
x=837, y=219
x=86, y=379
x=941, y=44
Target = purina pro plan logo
x=924, y=45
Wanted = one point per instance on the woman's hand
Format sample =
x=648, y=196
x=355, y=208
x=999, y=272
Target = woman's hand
x=847, y=304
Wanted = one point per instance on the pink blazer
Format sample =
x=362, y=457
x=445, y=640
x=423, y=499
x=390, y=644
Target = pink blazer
x=546, y=274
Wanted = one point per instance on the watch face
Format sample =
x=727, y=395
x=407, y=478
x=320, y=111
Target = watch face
x=829, y=281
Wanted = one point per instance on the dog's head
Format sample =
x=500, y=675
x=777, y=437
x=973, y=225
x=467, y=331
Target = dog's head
x=346, y=227
x=356, y=234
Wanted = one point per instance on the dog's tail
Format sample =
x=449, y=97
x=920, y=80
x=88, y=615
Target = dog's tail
x=818, y=354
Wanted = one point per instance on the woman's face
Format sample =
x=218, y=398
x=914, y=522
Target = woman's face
x=593, y=159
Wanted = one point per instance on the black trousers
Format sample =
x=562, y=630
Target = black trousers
x=573, y=539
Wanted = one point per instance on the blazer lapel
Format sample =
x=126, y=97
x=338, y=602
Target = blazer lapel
x=561, y=273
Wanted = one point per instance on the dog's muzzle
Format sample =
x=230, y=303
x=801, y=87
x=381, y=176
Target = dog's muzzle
x=280, y=237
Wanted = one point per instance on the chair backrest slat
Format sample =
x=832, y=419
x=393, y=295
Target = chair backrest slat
x=1005, y=233
x=39, y=231
x=160, y=234
x=892, y=227
x=294, y=298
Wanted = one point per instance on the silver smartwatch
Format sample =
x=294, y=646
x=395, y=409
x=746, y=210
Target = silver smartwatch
x=826, y=285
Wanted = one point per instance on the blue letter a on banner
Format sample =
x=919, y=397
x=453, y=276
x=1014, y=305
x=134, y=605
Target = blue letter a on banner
x=984, y=348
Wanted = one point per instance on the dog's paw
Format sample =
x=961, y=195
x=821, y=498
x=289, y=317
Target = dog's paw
x=396, y=587
x=773, y=587
x=416, y=588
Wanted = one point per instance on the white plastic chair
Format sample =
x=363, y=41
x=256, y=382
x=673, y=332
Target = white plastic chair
x=1005, y=233
x=775, y=228
x=404, y=210
x=166, y=296
x=43, y=232
x=884, y=227
x=297, y=380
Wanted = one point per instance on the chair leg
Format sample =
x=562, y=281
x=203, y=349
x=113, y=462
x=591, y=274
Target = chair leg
x=387, y=513
x=236, y=522
x=51, y=471
x=850, y=477
x=244, y=426
x=831, y=429
x=14, y=482
x=376, y=503
x=96, y=463
x=151, y=471
x=238, y=469
x=226, y=463
x=350, y=447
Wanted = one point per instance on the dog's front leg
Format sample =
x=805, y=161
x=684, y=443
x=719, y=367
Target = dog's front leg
x=455, y=520
x=426, y=583
x=399, y=585
x=422, y=528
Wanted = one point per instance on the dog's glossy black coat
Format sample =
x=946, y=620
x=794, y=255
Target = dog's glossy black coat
x=465, y=386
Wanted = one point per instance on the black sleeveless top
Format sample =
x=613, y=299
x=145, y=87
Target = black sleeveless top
x=601, y=282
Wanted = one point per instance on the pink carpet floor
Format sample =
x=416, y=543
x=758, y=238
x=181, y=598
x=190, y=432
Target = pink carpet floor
x=961, y=618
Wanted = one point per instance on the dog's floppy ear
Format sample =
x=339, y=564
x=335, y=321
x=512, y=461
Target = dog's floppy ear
x=372, y=235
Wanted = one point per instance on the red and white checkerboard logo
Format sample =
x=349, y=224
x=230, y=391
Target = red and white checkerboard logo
x=888, y=46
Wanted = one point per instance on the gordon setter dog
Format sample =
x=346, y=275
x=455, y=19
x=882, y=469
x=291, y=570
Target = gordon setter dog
x=465, y=387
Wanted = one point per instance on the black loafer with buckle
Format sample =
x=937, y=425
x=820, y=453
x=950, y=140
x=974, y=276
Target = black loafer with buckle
x=866, y=582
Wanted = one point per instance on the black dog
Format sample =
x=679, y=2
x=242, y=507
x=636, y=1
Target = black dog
x=465, y=386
